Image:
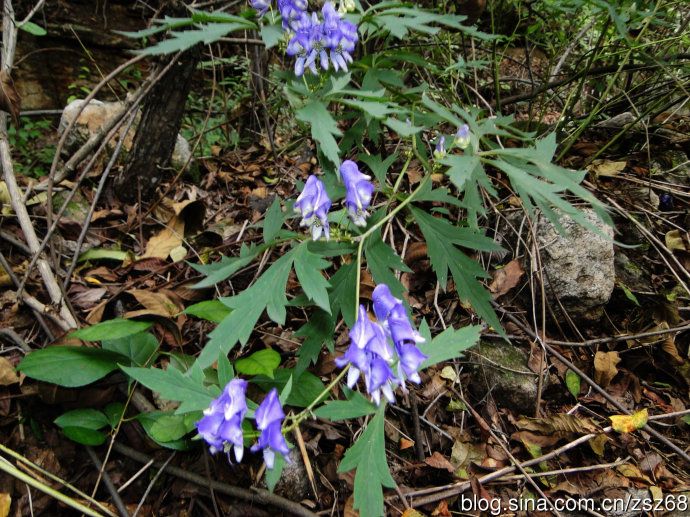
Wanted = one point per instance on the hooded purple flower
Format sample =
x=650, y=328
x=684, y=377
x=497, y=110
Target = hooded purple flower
x=291, y=11
x=307, y=43
x=462, y=137
x=261, y=6
x=359, y=190
x=340, y=37
x=440, y=149
x=313, y=204
x=269, y=419
x=222, y=420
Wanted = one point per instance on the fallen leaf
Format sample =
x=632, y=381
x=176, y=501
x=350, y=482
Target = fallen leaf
x=442, y=510
x=605, y=367
x=572, y=382
x=558, y=423
x=630, y=471
x=169, y=238
x=506, y=278
x=448, y=373
x=156, y=302
x=629, y=423
x=10, y=101
x=657, y=493
x=8, y=375
x=438, y=461
x=606, y=168
x=411, y=512
x=5, y=503
x=598, y=444
x=674, y=240
x=405, y=444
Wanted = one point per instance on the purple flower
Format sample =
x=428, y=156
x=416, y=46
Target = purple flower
x=261, y=6
x=269, y=419
x=462, y=137
x=222, y=420
x=313, y=204
x=291, y=11
x=359, y=190
x=370, y=353
x=440, y=150
x=307, y=43
x=340, y=37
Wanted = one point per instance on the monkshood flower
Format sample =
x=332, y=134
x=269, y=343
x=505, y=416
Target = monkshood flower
x=358, y=192
x=313, y=204
x=369, y=354
x=307, y=44
x=261, y=6
x=346, y=6
x=462, y=137
x=222, y=420
x=440, y=150
x=340, y=37
x=269, y=420
x=291, y=11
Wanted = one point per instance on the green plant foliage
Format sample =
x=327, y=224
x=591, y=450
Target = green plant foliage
x=449, y=344
x=263, y=362
x=323, y=128
x=111, y=329
x=141, y=348
x=70, y=366
x=211, y=310
x=82, y=426
x=355, y=406
x=305, y=387
x=188, y=388
x=368, y=457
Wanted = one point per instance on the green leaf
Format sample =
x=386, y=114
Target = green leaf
x=402, y=128
x=305, y=387
x=323, y=128
x=111, y=329
x=32, y=28
x=267, y=293
x=354, y=407
x=273, y=475
x=368, y=456
x=273, y=221
x=93, y=254
x=370, y=108
x=317, y=331
x=85, y=418
x=224, y=269
x=187, y=388
x=140, y=348
x=449, y=344
x=211, y=310
x=153, y=422
x=271, y=34
x=226, y=372
x=342, y=292
x=183, y=40
x=382, y=261
x=308, y=267
x=378, y=165
x=441, y=239
x=114, y=413
x=84, y=436
x=572, y=382
x=263, y=362
x=69, y=366
x=168, y=427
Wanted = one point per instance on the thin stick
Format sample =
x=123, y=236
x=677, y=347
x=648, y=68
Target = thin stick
x=108, y=483
x=153, y=482
x=256, y=496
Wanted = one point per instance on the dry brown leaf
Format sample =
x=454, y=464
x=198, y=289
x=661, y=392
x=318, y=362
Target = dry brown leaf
x=10, y=101
x=605, y=367
x=5, y=503
x=630, y=471
x=156, y=302
x=442, y=510
x=558, y=423
x=169, y=238
x=8, y=375
x=438, y=461
x=598, y=444
x=405, y=444
x=506, y=278
x=349, y=510
x=606, y=168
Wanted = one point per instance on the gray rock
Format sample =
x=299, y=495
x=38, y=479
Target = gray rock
x=294, y=481
x=95, y=115
x=504, y=375
x=578, y=266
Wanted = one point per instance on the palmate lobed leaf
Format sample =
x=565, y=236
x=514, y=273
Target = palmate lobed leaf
x=323, y=128
x=368, y=457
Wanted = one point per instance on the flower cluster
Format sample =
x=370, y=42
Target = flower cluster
x=461, y=140
x=370, y=353
x=313, y=203
x=221, y=425
x=315, y=41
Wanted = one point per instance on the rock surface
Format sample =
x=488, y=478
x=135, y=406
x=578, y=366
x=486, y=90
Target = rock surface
x=578, y=267
x=95, y=115
x=504, y=375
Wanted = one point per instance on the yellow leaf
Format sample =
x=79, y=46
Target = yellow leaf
x=411, y=512
x=632, y=472
x=606, y=168
x=629, y=423
x=605, y=367
x=448, y=373
x=674, y=240
x=7, y=376
x=598, y=444
x=92, y=280
x=657, y=493
x=170, y=237
x=5, y=502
